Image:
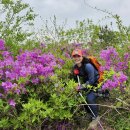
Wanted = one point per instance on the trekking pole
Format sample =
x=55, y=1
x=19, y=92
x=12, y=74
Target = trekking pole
x=87, y=104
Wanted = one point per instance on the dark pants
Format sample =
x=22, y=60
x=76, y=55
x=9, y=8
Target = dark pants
x=91, y=99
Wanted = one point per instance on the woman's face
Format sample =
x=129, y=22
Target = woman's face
x=78, y=59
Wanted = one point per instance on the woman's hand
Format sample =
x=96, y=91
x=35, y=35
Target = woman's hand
x=78, y=88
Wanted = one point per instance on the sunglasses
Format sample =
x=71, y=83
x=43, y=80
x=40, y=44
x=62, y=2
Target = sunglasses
x=74, y=56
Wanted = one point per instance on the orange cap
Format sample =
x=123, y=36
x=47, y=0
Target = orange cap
x=77, y=52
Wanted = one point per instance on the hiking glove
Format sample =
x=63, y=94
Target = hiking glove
x=78, y=88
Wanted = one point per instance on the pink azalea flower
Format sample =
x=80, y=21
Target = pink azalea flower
x=12, y=102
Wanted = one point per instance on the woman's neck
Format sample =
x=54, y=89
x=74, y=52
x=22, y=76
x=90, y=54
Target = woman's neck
x=79, y=65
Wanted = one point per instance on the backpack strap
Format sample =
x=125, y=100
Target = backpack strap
x=96, y=81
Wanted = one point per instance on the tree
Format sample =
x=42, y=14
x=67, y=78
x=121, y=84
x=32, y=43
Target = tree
x=15, y=14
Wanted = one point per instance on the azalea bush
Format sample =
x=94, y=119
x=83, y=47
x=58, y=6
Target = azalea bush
x=113, y=61
x=36, y=87
x=34, y=82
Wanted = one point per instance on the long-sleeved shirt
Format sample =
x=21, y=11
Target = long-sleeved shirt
x=88, y=74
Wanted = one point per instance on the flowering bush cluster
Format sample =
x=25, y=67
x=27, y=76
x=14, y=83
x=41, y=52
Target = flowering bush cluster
x=118, y=64
x=27, y=67
x=116, y=80
x=44, y=79
x=113, y=60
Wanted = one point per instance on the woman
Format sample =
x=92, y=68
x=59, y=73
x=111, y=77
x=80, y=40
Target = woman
x=88, y=76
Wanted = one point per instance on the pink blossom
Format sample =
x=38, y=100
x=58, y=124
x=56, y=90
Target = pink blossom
x=12, y=102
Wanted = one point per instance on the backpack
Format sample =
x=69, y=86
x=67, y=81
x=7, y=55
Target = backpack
x=97, y=66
